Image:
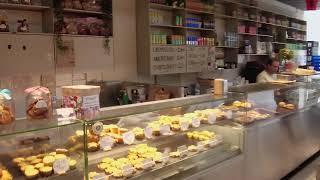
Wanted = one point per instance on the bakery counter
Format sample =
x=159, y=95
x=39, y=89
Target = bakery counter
x=276, y=146
x=171, y=139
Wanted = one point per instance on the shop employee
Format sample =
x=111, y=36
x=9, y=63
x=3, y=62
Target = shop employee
x=268, y=74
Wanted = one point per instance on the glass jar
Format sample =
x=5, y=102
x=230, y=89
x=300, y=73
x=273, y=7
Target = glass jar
x=38, y=103
x=6, y=107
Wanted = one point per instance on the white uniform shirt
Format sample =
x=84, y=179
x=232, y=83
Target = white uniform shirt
x=265, y=77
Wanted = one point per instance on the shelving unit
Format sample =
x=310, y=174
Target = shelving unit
x=78, y=11
x=271, y=30
x=23, y=7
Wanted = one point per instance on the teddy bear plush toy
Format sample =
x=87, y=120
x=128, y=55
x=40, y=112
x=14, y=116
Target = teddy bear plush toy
x=4, y=27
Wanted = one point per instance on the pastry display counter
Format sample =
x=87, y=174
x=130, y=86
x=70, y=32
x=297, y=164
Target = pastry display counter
x=39, y=149
x=277, y=146
x=170, y=139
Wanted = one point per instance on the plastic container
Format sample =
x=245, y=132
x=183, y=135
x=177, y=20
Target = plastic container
x=38, y=103
x=7, y=109
x=84, y=99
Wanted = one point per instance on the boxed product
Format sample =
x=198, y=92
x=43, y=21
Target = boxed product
x=83, y=98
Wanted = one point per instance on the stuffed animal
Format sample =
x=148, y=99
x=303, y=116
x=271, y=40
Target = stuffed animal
x=4, y=27
x=23, y=26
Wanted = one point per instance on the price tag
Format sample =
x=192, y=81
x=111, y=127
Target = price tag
x=183, y=150
x=165, y=129
x=61, y=166
x=41, y=104
x=127, y=170
x=184, y=125
x=148, y=132
x=106, y=142
x=97, y=128
x=66, y=114
x=147, y=164
x=229, y=114
x=128, y=138
x=100, y=176
x=212, y=118
x=195, y=122
x=201, y=146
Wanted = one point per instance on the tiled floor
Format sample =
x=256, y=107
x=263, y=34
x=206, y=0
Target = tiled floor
x=309, y=172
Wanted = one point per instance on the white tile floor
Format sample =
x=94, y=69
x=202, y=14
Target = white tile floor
x=309, y=172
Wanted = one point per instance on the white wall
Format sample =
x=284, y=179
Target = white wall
x=312, y=18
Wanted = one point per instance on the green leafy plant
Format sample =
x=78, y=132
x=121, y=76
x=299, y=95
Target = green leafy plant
x=59, y=24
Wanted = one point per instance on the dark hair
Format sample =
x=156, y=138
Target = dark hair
x=271, y=60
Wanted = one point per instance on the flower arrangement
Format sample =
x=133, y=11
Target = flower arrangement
x=285, y=54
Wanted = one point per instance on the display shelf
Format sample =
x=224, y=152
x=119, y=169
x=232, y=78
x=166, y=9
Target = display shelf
x=248, y=34
x=163, y=7
x=200, y=29
x=254, y=54
x=24, y=126
x=223, y=16
x=82, y=11
x=244, y=19
x=264, y=35
x=238, y=3
x=23, y=7
x=227, y=47
x=166, y=26
x=79, y=35
x=279, y=43
x=292, y=28
x=28, y=33
x=167, y=44
x=194, y=11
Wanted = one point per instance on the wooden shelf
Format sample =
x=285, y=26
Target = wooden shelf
x=82, y=11
x=254, y=54
x=166, y=26
x=23, y=7
x=282, y=43
x=194, y=11
x=78, y=35
x=200, y=29
x=227, y=47
x=28, y=33
x=248, y=20
x=296, y=29
x=167, y=44
x=264, y=35
x=248, y=34
x=223, y=16
x=164, y=7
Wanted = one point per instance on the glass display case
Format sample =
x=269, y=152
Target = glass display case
x=169, y=139
x=280, y=99
x=42, y=149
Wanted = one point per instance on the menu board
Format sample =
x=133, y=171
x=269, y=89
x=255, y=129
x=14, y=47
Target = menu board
x=197, y=58
x=168, y=59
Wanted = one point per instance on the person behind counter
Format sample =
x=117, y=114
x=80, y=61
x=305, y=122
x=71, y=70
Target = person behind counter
x=268, y=74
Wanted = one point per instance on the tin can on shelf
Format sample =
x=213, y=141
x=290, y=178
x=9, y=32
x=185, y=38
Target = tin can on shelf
x=38, y=103
x=7, y=109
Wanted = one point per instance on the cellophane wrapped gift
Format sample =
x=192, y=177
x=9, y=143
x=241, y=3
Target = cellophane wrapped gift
x=84, y=99
x=7, y=109
x=38, y=103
